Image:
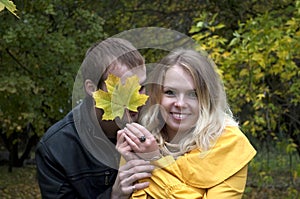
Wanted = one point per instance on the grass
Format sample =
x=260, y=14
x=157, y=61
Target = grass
x=19, y=184
x=273, y=174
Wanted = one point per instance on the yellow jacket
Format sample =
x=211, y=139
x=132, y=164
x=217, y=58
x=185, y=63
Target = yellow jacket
x=220, y=172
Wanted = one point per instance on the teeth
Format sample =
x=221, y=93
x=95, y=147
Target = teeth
x=178, y=115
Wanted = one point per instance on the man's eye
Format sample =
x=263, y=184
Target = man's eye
x=142, y=89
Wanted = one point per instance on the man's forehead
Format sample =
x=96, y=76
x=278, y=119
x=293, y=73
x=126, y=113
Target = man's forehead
x=122, y=71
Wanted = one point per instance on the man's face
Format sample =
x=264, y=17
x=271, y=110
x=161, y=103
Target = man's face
x=123, y=72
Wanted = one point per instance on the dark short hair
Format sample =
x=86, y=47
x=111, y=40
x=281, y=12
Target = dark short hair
x=107, y=53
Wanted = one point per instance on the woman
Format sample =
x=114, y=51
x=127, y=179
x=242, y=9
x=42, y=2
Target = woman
x=194, y=141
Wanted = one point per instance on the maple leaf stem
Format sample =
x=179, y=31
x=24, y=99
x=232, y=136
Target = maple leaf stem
x=129, y=119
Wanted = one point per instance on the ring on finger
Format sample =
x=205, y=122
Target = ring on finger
x=142, y=138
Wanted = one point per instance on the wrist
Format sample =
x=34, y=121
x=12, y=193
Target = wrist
x=151, y=156
x=157, y=157
x=117, y=195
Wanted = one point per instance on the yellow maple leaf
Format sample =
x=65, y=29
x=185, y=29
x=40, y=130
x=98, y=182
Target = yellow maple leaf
x=9, y=5
x=119, y=97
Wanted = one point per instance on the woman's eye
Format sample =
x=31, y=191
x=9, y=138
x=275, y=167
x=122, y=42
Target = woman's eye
x=169, y=92
x=193, y=94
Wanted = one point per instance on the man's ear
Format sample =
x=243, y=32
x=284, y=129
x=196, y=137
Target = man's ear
x=90, y=87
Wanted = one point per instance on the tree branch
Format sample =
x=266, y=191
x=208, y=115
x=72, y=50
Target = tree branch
x=18, y=62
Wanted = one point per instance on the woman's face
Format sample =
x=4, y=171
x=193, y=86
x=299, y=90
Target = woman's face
x=179, y=100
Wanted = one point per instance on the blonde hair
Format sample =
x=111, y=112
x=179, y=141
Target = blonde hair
x=214, y=113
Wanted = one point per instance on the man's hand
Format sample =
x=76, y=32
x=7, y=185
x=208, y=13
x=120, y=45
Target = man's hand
x=128, y=177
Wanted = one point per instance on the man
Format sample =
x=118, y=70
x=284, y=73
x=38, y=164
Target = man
x=76, y=158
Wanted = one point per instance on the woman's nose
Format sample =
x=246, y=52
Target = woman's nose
x=179, y=101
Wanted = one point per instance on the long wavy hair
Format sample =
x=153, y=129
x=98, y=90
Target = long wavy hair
x=214, y=113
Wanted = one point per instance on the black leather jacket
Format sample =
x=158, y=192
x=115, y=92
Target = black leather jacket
x=66, y=169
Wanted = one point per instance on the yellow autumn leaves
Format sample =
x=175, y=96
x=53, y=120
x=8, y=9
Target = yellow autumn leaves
x=119, y=97
x=9, y=5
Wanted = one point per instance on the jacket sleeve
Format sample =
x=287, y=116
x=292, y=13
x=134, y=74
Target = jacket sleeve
x=106, y=194
x=232, y=188
x=50, y=178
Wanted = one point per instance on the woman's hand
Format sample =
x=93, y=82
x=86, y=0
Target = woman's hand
x=141, y=141
x=124, y=148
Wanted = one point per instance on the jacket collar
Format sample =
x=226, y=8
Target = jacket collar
x=92, y=135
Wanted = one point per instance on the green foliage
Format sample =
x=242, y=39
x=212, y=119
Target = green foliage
x=40, y=56
x=123, y=15
x=260, y=68
x=264, y=54
x=260, y=64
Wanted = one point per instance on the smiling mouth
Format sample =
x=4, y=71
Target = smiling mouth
x=179, y=116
